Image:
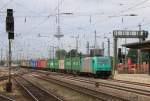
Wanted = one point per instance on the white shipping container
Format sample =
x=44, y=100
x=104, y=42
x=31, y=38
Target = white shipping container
x=24, y=63
x=61, y=64
x=86, y=65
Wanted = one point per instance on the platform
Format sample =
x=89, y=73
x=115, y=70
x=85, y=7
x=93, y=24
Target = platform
x=141, y=78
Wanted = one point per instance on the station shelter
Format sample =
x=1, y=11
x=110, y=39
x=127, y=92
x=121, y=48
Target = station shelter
x=144, y=47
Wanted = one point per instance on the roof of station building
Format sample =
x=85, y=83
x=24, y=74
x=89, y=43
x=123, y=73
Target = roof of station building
x=145, y=45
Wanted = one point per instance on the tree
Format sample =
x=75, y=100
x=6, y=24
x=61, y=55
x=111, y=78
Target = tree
x=133, y=54
x=73, y=53
x=60, y=53
x=145, y=56
x=1, y=62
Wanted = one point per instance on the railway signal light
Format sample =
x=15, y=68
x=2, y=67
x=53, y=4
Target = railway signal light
x=119, y=55
x=10, y=35
x=145, y=33
x=10, y=24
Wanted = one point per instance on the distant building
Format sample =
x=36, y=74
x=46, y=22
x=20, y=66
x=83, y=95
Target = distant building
x=96, y=52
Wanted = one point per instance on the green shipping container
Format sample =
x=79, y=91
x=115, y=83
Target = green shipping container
x=68, y=65
x=76, y=63
x=73, y=63
x=53, y=64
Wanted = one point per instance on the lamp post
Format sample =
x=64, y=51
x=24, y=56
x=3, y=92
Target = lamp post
x=108, y=40
x=76, y=37
x=53, y=50
x=95, y=40
x=103, y=48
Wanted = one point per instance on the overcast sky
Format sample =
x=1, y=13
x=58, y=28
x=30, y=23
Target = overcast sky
x=38, y=17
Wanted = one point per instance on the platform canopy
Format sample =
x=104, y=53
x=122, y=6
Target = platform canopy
x=145, y=45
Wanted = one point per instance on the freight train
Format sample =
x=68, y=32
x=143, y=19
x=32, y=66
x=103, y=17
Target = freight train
x=97, y=66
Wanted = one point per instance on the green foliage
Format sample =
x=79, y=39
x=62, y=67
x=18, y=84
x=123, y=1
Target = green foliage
x=60, y=54
x=73, y=53
x=145, y=57
x=133, y=54
x=2, y=62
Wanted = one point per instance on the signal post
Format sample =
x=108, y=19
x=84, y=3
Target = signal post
x=10, y=31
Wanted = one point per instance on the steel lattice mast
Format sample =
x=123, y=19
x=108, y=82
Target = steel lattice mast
x=58, y=34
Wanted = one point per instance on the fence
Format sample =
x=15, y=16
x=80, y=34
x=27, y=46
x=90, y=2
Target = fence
x=133, y=68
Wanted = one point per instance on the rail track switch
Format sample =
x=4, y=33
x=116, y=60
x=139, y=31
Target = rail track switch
x=97, y=84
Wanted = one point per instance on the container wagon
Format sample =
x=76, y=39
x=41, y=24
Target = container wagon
x=41, y=64
x=86, y=67
x=93, y=66
x=53, y=64
x=76, y=65
x=32, y=63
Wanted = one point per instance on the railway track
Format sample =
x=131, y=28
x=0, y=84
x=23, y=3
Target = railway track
x=4, y=98
x=84, y=78
x=113, y=84
x=105, y=83
x=102, y=96
x=112, y=80
x=3, y=78
x=129, y=82
x=35, y=92
x=14, y=74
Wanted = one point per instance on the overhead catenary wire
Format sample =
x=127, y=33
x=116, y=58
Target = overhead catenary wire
x=134, y=6
x=82, y=14
x=139, y=8
x=29, y=16
x=44, y=19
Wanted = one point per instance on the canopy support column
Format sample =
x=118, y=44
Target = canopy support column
x=149, y=62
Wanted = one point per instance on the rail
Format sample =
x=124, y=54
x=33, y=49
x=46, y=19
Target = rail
x=105, y=83
x=83, y=89
x=36, y=93
x=5, y=98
